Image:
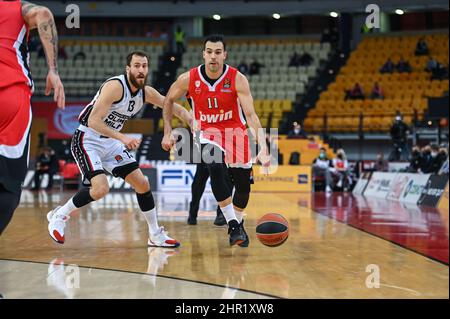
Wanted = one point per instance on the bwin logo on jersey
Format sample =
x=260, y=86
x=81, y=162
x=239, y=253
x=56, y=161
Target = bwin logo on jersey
x=214, y=118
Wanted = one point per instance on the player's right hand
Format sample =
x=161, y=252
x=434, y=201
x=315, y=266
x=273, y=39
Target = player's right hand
x=131, y=143
x=54, y=82
x=167, y=142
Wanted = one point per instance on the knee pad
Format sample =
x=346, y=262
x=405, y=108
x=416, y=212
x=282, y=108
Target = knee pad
x=218, y=175
x=146, y=201
x=240, y=200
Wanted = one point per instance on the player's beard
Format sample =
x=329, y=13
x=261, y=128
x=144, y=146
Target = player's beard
x=134, y=81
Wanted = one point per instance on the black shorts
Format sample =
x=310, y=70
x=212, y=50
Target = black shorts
x=14, y=170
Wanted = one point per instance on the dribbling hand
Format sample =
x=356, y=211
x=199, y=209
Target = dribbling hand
x=167, y=142
x=131, y=143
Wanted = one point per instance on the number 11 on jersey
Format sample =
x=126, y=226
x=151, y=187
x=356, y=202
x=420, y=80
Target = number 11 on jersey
x=215, y=103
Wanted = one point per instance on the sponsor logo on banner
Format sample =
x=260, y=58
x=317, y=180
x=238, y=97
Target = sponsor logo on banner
x=177, y=177
x=285, y=179
x=303, y=179
x=413, y=189
x=380, y=184
x=61, y=123
x=398, y=185
x=433, y=190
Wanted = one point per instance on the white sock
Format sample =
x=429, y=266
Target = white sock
x=68, y=207
x=239, y=215
x=228, y=213
x=152, y=220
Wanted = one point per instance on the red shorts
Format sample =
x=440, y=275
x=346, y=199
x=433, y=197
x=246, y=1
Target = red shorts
x=15, y=116
x=15, y=123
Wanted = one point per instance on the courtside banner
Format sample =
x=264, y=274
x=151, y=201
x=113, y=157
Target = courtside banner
x=407, y=187
x=177, y=177
x=433, y=190
x=443, y=203
x=61, y=123
x=413, y=189
x=286, y=178
x=362, y=183
x=379, y=184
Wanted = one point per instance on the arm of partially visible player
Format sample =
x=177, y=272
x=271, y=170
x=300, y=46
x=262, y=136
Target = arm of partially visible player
x=110, y=92
x=154, y=97
x=36, y=16
x=246, y=101
x=176, y=91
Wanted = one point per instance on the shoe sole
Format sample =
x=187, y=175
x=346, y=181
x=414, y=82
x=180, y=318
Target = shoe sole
x=237, y=242
x=173, y=246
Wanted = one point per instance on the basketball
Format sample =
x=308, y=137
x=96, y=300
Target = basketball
x=272, y=229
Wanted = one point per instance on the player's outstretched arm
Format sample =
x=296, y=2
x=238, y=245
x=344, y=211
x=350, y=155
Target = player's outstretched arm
x=111, y=91
x=246, y=101
x=36, y=16
x=154, y=97
x=176, y=91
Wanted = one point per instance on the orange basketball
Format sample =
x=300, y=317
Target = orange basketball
x=272, y=229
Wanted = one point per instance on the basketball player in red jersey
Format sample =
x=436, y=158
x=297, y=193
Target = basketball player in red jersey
x=16, y=86
x=220, y=97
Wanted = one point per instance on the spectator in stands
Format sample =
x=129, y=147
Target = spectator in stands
x=179, y=40
x=436, y=159
x=255, y=67
x=425, y=162
x=421, y=47
x=306, y=59
x=440, y=72
x=431, y=64
x=387, y=67
x=415, y=161
x=403, y=66
x=381, y=165
x=79, y=55
x=341, y=171
x=321, y=167
x=65, y=153
x=295, y=60
x=297, y=131
x=377, y=93
x=243, y=68
x=46, y=163
x=356, y=93
x=399, y=132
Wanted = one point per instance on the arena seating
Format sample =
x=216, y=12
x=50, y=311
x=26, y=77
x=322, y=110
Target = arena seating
x=82, y=77
x=404, y=92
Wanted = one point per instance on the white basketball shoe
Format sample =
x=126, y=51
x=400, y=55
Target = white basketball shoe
x=161, y=239
x=56, y=225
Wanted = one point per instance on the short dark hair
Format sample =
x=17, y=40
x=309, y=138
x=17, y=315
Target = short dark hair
x=138, y=53
x=215, y=38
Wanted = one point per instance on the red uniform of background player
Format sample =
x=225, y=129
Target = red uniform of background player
x=16, y=86
x=220, y=97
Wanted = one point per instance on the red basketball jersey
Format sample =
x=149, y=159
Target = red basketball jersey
x=14, y=57
x=218, y=113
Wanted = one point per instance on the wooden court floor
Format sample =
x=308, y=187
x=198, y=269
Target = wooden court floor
x=106, y=247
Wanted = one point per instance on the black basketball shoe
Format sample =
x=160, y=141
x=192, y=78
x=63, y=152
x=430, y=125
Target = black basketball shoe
x=246, y=242
x=236, y=232
x=220, y=219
